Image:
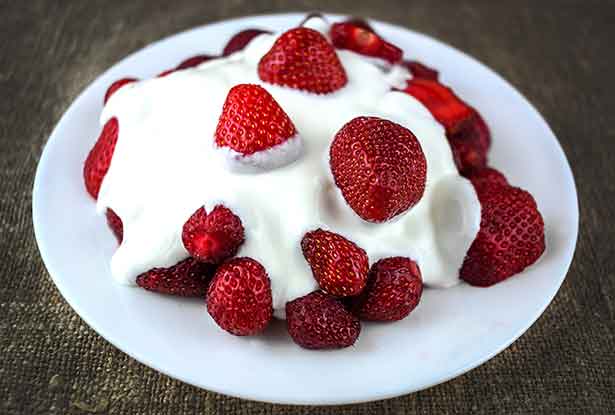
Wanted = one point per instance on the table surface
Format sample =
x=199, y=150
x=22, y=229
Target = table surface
x=558, y=53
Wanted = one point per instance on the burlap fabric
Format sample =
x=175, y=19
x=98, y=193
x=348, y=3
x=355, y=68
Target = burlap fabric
x=559, y=53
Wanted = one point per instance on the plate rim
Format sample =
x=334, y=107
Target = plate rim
x=44, y=160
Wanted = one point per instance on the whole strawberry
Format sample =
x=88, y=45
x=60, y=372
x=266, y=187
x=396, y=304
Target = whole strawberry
x=115, y=224
x=213, y=237
x=188, y=278
x=485, y=175
x=339, y=266
x=379, y=166
x=240, y=40
x=394, y=288
x=358, y=36
x=117, y=85
x=511, y=235
x=252, y=121
x=319, y=321
x=99, y=159
x=239, y=297
x=194, y=61
x=303, y=59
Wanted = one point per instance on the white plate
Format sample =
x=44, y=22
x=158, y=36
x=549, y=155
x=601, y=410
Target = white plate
x=451, y=332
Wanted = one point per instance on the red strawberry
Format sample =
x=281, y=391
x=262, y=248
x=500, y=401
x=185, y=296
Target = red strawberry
x=319, y=321
x=470, y=144
x=419, y=70
x=194, y=61
x=338, y=265
x=444, y=105
x=240, y=40
x=239, y=297
x=252, y=121
x=303, y=59
x=379, y=166
x=99, y=159
x=116, y=225
x=359, y=37
x=214, y=237
x=165, y=73
x=511, y=235
x=486, y=175
x=187, y=278
x=360, y=22
x=117, y=85
x=394, y=288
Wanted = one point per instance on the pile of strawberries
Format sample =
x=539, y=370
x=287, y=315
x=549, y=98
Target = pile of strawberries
x=380, y=169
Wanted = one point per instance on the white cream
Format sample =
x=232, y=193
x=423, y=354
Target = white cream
x=165, y=166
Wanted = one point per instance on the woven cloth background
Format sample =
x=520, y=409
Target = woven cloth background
x=559, y=53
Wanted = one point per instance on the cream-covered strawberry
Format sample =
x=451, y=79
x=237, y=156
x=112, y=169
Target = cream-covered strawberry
x=240, y=40
x=257, y=130
x=213, y=237
x=379, y=166
x=358, y=36
x=114, y=87
x=99, y=159
x=302, y=58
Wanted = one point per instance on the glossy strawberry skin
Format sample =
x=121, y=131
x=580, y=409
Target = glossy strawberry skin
x=194, y=61
x=99, y=159
x=240, y=40
x=511, y=235
x=339, y=266
x=319, y=321
x=239, y=297
x=393, y=290
x=420, y=70
x=444, y=105
x=252, y=121
x=188, y=278
x=379, y=166
x=117, y=85
x=213, y=237
x=303, y=59
x=360, y=38
x=115, y=224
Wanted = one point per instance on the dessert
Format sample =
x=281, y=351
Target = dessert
x=313, y=175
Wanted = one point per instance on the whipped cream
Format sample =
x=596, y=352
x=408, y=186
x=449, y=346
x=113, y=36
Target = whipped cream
x=166, y=166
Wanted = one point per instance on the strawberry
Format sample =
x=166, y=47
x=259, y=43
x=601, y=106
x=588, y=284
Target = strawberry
x=419, y=70
x=239, y=297
x=240, y=40
x=165, y=73
x=319, y=321
x=379, y=166
x=511, y=235
x=486, y=175
x=303, y=59
x=212, y=238
x=187, y=278
x=115, y=224
x=252, y=121
x=360, y=38
x=117, y=85
x=99, y=159
x=393, y=290
x=194, y=61
x=338, y=265
x=470, y=144
x=444, y=105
